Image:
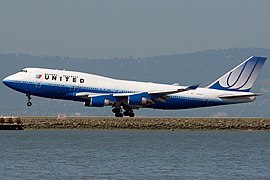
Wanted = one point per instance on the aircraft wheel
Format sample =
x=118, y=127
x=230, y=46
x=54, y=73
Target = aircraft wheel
x=116, y=110
x=126, y=113
x=131, y=114
x=118, y=115
x=29, y=104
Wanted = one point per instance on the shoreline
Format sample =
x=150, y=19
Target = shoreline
x=146, y=123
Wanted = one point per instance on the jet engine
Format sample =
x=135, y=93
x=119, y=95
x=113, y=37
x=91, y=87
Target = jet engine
x=98, y=101
x=139, y=99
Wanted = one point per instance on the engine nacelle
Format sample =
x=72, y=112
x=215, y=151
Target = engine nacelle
x=139, y=99
x=98, y=102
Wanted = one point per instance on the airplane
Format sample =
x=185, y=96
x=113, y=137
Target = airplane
x=125, y=96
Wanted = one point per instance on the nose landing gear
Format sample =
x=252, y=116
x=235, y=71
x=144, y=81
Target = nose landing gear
x=29, y=100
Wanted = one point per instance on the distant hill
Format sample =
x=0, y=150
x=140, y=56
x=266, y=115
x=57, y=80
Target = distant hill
x=186, y=69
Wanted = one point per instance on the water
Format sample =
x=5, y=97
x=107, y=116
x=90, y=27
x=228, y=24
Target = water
x=129, y=154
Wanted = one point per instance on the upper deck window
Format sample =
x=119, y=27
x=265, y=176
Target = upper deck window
x=24, y=70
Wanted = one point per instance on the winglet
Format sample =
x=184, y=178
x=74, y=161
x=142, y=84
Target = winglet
x=193, y=87
x=242, y=77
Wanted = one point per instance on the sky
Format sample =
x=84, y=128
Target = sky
x=137, y=28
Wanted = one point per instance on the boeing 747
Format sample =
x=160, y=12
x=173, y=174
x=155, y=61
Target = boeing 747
x=125, y=96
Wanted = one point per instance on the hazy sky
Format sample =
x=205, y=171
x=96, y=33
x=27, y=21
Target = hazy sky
x=138, y=28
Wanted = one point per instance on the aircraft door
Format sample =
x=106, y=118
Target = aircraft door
x=38, y=85
x=38, y=81
x=73, y=85
x=73, y=88
x=202, y=98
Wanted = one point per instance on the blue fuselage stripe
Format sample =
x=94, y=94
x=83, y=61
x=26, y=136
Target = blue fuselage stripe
x=65, y=92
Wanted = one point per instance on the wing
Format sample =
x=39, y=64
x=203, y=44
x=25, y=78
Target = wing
x=173, y=91
x=131, y=100
x=163, y=95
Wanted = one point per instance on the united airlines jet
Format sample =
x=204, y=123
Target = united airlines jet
x=125, y=96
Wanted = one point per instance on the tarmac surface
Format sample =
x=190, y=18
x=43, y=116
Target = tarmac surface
x=151, y=123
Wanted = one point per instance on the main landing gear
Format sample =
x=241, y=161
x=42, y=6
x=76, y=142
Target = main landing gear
x=118, y=112
x=29, y=100
x=129, y=112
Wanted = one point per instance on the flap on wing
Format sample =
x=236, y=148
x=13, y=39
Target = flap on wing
x=231, y=96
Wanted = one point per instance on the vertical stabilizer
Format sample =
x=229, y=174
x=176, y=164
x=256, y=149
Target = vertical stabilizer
x=242, y=77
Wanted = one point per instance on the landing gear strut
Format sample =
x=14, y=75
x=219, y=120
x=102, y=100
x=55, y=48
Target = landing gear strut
x=29, y=100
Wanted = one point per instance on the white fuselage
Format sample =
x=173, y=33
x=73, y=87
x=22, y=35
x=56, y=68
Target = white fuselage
x=61, y=84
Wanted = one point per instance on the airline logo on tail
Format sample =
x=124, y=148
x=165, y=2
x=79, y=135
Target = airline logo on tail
x=242, y=77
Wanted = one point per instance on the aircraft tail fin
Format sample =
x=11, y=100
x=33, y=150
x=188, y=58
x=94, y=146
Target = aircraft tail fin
x=242, y=77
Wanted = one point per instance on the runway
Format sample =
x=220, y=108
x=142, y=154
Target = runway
x=151, y=123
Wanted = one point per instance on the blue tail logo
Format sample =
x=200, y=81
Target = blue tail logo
x=242, y=77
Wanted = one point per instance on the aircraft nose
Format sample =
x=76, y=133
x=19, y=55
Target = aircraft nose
x=12, y=82
x=7, y=81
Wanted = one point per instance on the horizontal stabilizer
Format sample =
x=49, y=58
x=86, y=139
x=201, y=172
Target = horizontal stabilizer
x=232, y=96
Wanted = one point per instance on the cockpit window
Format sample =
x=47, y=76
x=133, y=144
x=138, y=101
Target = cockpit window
x=24, y=70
